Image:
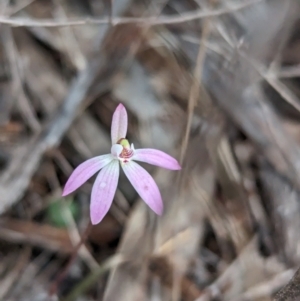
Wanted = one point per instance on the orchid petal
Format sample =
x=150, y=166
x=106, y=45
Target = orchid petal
x=116, y=150
x=156, y=157
x=145, y=186
x=119, y=124
x=85, y=171
x=103, y=191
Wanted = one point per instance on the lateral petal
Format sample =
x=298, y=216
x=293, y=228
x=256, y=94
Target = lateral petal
x=145, y=186
x=103, y=191
x=119, y=124
x=156, y=157
x=85, y=171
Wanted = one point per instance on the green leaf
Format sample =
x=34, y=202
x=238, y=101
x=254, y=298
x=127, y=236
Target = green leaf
x=56, y=209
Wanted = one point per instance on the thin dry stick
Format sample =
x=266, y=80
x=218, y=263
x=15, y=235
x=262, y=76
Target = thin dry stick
x=13, y=275
x=195, y=89
x=185, y=17
x=193, y=97
x=26, y=107
x=273, y=81
x=69, y=39
x=278, y=141
x=288, y=72
x=137, y=43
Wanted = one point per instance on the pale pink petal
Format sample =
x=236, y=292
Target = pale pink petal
x=103, y=191
x=145, y=186
x=116, y=150
x=119, y=124
x=85, y=171
x=156, y=157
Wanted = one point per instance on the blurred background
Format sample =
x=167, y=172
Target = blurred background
x=214, y=83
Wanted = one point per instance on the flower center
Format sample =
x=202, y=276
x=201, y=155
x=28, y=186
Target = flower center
x=127, y=152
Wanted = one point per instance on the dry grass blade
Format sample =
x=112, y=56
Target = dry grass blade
x=45, y=236
x=268, y=287
x=184, y=17
x=13, y=275
x=195, y=88
x=235, y=198
x=25, y=106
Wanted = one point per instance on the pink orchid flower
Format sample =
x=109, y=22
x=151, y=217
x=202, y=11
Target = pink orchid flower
x=122, y=152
